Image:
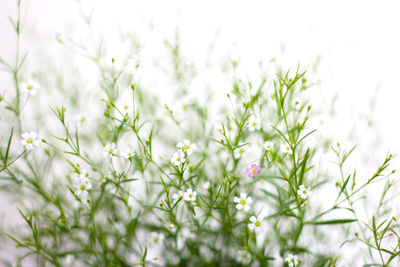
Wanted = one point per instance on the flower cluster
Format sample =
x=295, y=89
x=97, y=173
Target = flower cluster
x=82, y=184
x=184, y=149
x=292, y=260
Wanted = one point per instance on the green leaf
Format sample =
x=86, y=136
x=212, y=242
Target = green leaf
x=338, y=221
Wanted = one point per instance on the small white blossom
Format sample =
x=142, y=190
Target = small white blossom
x=187, y=147
x=82, y=119
x=30, y=140
x=292, y=260
x=304, y=192
x=30, y=87
x=255, y=224
x=206, y=185
x=109, y=150
x=243, y=202
x=157, y=238
x=286, y=148
x=244, y=256
x=253, y=123
x=128, y=154
x=68, y=260
x=239, y=152
x=178, y=158
x=267, y=145
x=82, y=184
x=190, y=195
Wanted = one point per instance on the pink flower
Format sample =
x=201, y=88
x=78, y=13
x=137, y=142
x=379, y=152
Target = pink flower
x=253, y=171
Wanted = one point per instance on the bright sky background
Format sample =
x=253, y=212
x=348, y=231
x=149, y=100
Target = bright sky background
x=355, y=42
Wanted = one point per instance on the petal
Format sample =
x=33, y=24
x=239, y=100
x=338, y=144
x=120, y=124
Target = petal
x=243, y=195
x=249, y=200
x=251, y=226
x=239, y=207
x=236, y=199
x=253, y=219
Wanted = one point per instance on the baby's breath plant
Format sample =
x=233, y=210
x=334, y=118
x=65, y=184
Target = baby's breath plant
x=113, y=175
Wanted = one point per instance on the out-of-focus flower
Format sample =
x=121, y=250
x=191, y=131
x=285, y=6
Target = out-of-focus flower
x=109, y=150
x=292, y=260
x=178, y=158
x=267, y=145
x=30, y=87
x=187, y=147
x=244, y=257
x=286, y=148
x=253, y=123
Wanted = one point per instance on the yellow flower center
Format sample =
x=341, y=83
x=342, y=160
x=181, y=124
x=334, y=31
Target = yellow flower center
x=83, y=187
x=29, y=87
x=253, y=171
x=185, y=147
x=110, y=151
x=178, y=159
x=254, y=124
x=242, y=202
x=83, y=119
x=29, y=140
x=155, y=240
x=257, y=224
x=241, y=151
x=190, y=195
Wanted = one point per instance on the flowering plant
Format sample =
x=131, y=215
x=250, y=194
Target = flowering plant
x=143, y=185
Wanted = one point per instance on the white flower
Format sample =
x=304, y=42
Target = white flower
x=255, y=224
x=129, y=154
x=190, y=195
x=178, y=158
x=176, y=196
x=286, y=148
x=82, y=184
x=187, y=147
x=292, y=260
x=244, y=256
x=30, y=87
x=206, y=185
x=156, y=238
x=30, y=140
x=243, y=202
x=239, y=152
x=268, y=145
x=82, y=119
x=68, y=260
x=109, y=150
x=304, y=192
x=253, y=123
